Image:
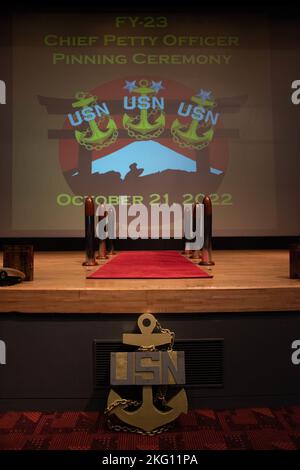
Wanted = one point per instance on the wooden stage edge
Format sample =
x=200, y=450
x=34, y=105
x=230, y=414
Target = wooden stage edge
x=244, y=281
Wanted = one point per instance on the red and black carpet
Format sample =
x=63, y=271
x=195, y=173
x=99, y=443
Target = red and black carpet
x=239, y=429
x=149, y=265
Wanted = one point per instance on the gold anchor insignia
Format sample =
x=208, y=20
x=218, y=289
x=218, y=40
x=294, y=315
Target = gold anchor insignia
x=139, y=127
x=187, y=136
x=145, y=415
x=94, y=138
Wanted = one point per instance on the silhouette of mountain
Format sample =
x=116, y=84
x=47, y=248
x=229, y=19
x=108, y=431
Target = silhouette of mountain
x=149, y=156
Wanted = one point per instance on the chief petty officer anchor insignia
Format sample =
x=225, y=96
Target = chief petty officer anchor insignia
x=147, y=367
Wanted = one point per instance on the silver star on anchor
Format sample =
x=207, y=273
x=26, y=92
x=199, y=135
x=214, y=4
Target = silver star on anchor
x=156, y=86
x=130, y=85
x=204, y=95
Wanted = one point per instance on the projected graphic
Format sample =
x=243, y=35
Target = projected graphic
x=151, y=132
x=147, y=112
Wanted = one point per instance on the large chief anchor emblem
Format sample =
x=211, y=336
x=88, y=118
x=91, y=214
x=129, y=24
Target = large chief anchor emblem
x=145, y=125
x=199, y=132
x=147, y=367
x=94, y=137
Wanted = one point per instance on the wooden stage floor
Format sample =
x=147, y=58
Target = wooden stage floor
x=238, y=331
x=244, y=281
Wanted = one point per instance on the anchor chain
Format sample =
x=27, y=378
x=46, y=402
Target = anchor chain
x=97, y=147
x=87, y=132
x=166, y=330
x=149, y=136
x=160, y=396
x=183, y=144
x=125, y=403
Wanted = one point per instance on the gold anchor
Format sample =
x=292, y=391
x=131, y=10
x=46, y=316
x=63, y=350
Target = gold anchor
x=144, y=130
x=147, y=416
x=93, y=138
x=189, y=138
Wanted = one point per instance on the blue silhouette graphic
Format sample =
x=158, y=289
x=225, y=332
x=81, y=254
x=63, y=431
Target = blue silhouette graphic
x=143, y=158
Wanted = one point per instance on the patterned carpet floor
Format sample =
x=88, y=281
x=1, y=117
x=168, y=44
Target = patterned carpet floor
x=239, y=429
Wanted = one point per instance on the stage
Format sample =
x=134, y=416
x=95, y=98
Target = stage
x=236, y=329
x=244, y=281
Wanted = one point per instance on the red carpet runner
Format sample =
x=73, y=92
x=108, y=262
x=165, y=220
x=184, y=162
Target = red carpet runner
x=240, y=429
x=149, y=265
